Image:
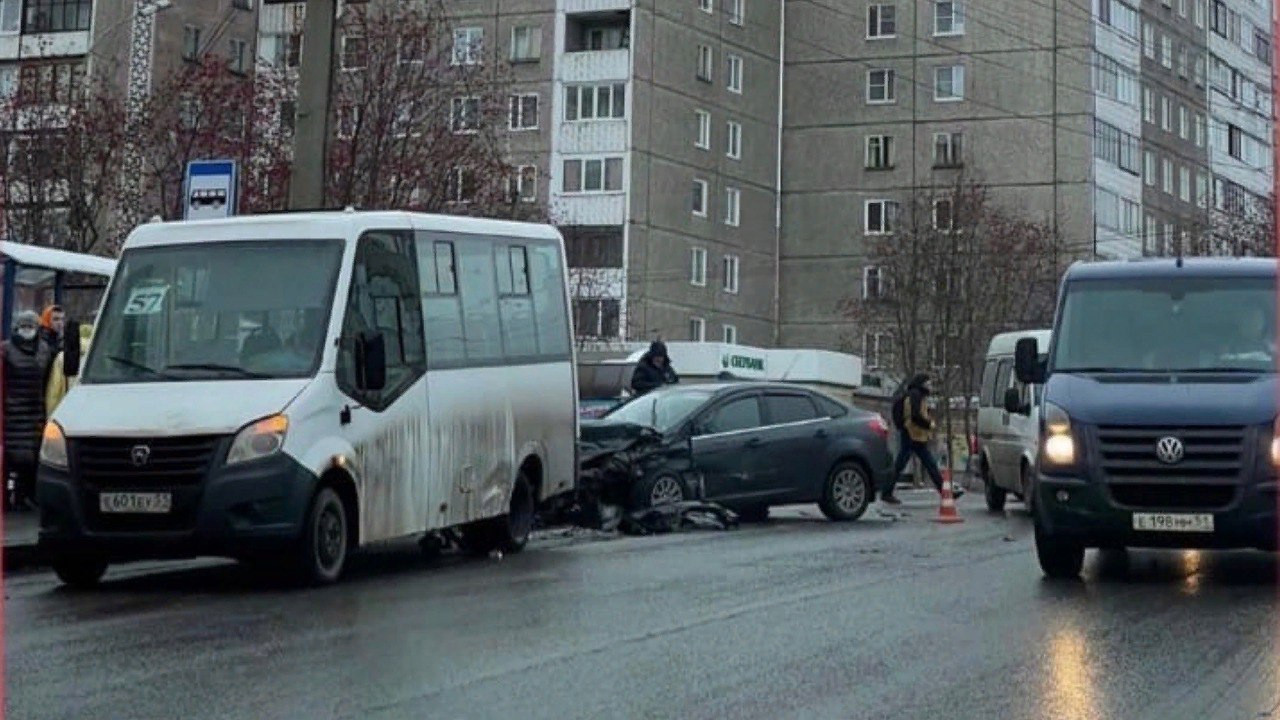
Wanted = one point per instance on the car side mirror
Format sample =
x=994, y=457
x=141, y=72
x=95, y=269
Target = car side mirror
x=1013, y=401
x=1026, y=362
x=71, y=349
x=371, y=361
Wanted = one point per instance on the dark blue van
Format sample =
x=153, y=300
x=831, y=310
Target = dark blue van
x=1159, y=409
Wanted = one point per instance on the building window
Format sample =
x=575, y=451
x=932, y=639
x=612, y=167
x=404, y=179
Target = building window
x=731, y=265
x=50, y=16
x=707, y=6
x=948, y=17
x=190, y=42
x=1119, y=15
x=468, y=46
x=593, y=175
x=697, y=329
x=879, y=217
x=703, y=139
x=732, y=206
x=596, y=317
x=524, y=112
x=1149, y=40
x=706, y=63
x=1235, y=142
x=461, y=187
x=872, y=283
x=1184, y=123
x=242, y=4
x=699, y=197
x=1184, y=184
x=1262, y=47
x=464, y=115
x=881, y=21
x=1218, y=17
x=524, y=184
x=1149, y=170
x=730, y=335
x=735, y=74
x=876, y=348
x=1166, y=177
x=1166, y=114
x=1198, y=12
x=1149, y=106
x=698, y=267
x=943, y=216
x=238, y=56
x=737, y=12
x=880, y=86
x=1182, y=8
x=1113, y=80
x=1200, y=129
x=355, y=52
x=1166, y=52
x=288, y=116
x=948, y=83
x=948, y=150
x=879, y=155
x=733, y=146
x=526, y=43
x=1116, y=146
x=348, y=121
x=595, y=102
x=1202, y=190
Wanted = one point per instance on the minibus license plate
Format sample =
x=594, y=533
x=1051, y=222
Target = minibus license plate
x=135, y=502
x=1173, y=522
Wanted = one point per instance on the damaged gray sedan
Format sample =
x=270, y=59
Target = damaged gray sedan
x=746, y=446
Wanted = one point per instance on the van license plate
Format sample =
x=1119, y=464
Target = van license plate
x=135, y=502
x=1173, y=522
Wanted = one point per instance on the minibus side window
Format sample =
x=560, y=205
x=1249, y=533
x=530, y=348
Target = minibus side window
x=988, y=397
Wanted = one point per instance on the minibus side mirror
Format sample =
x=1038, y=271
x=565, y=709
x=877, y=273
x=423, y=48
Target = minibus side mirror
x=1013, y=401
x=71, y=349
x=371, y=361
x=1026, y=362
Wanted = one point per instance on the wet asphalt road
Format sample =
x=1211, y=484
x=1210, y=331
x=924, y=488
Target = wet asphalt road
x=794, y=618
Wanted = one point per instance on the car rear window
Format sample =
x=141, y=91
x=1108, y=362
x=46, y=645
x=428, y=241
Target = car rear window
x=831, y=408
x=790, y=409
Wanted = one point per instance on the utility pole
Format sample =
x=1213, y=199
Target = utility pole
x=311, y=133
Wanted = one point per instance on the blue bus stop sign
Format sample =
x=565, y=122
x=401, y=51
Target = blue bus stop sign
x=210, y=190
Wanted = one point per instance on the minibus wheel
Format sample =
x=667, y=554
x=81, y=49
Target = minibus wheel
x=325, y=540
x=508, y=533
x=80, y=572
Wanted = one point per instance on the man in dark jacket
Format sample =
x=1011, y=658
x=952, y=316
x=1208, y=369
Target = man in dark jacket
x=653, y=371
x=26, y=361
x=915, y=429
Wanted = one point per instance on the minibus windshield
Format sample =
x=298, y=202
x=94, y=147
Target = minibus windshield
x=1179, y=325
x=215, y=311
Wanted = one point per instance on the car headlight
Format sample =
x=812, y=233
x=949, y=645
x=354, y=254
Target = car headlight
x=1275, y=443
x=1059, y=443
x=53, y=446
x=258, y=440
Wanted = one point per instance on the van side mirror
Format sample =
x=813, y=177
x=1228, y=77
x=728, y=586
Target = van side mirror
x=1013, y=401
x=1026, y=362
x=371, y=361
x=71, y=349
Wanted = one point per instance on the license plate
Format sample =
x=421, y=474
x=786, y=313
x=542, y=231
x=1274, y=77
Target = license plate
x=1173, y=522
x=135, y=502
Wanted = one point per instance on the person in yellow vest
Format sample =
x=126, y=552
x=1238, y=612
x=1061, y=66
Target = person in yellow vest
x=914, y=420
x=59, y=384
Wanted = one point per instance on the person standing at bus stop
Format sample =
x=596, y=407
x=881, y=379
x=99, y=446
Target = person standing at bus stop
x=52, y=322
x=915, y=425
x=26, y=361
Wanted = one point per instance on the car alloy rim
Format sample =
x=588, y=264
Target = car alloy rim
x=666, y=490
x=329, y=538
x=848, y=491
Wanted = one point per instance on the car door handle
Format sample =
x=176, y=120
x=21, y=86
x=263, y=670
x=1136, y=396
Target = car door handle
x=754, y=443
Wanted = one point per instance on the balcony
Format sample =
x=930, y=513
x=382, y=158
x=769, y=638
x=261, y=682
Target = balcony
x=583, y=7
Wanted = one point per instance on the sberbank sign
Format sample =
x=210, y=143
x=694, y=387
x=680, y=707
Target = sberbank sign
x=742, y=362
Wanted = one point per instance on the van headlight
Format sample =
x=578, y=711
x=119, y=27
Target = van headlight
x=258, y=440
x=1275, y=443
x=1059, y=443
x=53, y=446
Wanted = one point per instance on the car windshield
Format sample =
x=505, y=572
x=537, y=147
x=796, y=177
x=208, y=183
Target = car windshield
x=661, y=410
x=1168, y=325
x=216, y=311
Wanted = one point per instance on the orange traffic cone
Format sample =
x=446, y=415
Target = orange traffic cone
x=947, y=510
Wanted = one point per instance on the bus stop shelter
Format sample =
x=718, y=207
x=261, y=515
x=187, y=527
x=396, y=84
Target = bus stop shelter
x=32, y=278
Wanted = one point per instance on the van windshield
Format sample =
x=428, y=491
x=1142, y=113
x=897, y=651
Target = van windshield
x=216, y=311
x=1182, y=325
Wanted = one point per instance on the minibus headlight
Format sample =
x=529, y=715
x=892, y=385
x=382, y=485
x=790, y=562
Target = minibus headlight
x=258, y=440
x=1275, y=443
x=53, y=446
x=1059, y=444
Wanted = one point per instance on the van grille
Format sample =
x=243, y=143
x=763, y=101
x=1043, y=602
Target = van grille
x=1174, y=496
x=1209, y=453
x=110, y=463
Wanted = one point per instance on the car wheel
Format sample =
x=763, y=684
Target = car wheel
x=847, y=493
x=322, y=554
x=1028, y=492
x=1059, y=559
x=754, y=513
x=665, y=489
x=995, y=494
x=508, y=533
x=80, y=572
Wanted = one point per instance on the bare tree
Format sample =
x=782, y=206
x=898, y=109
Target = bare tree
x=1243, y=226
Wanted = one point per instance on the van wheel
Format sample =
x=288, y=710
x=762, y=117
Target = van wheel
x=847, y=493
x=508, y=533
x=80, y=572
x=1059, y=559
x=1028, y=493
x=322, y=552
x=995, y=494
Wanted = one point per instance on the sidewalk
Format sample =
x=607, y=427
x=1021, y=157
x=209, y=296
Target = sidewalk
x=20, y=534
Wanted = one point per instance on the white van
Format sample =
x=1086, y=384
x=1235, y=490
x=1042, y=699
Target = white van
x=290, y=387
x=1008, y=422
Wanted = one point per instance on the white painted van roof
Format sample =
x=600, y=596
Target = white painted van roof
x=1004, y=343
x=344, y=225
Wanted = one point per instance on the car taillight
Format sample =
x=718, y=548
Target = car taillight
x=879, y=427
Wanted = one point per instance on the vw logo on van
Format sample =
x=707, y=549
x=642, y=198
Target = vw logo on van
x=1169, y=450
x=140, y=455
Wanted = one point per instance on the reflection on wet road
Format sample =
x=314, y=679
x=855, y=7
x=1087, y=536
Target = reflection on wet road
x=795, y=618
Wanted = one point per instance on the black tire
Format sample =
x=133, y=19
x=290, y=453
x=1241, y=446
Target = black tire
x=847, y=493
x=754, y=513
x=322, y=550
x=995, y=494
x=508, y=533
x=80, y=572
x=661, y=489
x=1028, y=492
x=1060, y=560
